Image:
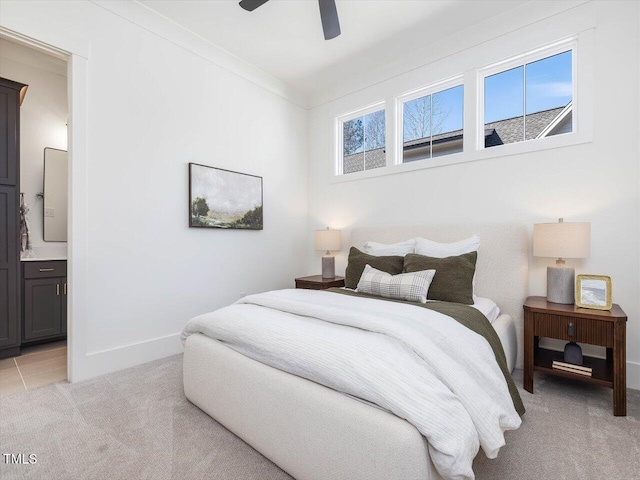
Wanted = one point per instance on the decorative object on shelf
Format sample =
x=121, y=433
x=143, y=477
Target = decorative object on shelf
x=573, y=368
x=224, y=199
x=593, y=291
x=561, y=240
x=327, y=241
x=573, y=353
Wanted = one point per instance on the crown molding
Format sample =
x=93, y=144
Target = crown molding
x=163, y=27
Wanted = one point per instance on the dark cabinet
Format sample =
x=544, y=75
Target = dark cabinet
x=45, y=300
x=9, y=131
x=9, y=217
x=9, y=331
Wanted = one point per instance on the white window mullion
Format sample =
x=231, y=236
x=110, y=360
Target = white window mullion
x=431, y=126
x=524, y=102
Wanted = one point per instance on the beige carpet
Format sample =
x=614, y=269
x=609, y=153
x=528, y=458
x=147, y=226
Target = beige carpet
x=137, y=424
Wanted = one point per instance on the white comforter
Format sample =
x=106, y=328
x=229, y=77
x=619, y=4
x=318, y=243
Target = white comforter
x=419, y=364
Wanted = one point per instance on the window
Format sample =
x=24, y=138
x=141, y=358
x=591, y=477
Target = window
x=529, y=101
x=432, y=123
x=363, y=141
x=520, y=101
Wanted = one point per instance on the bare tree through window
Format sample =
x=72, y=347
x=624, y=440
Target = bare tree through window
x=363, y=142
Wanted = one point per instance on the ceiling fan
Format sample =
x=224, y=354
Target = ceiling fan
x=328, y=15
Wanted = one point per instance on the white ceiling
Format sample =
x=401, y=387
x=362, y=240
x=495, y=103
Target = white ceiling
x=284, y=37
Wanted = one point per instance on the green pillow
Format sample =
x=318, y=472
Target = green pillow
x=358, y=260
x=453, y=281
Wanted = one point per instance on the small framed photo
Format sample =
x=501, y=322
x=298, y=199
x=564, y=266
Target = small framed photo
x=593, y=291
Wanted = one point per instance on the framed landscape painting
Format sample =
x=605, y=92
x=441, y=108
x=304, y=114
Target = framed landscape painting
x=224, y=199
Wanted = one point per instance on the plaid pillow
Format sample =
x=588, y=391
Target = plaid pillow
x=412, y=287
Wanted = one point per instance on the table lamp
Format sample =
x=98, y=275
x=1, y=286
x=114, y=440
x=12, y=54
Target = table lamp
x=561, y=240
x=327, y=241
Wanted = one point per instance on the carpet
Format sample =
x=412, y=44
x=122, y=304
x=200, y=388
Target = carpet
x=137, y=424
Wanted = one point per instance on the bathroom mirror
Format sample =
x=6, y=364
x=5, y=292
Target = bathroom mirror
x=55, y=195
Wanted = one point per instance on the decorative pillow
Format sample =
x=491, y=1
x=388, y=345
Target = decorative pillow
x=443, y=250
x=412, y=287
x=453, y=281
x=400, y=248
x=358, y=260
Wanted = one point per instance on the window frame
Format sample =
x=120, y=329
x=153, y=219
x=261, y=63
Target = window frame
x=400, y=100
x=339, y=126
x=471, y=76
x=562, y=46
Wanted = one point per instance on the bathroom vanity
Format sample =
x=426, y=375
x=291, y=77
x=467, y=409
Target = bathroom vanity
x=44, y=300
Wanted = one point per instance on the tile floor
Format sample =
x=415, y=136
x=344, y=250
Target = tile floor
x=37, y=366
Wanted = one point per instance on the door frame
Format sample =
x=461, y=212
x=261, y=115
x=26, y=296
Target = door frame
x=77, y=262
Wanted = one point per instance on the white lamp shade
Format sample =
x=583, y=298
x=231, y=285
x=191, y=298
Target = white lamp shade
x=328, y=240
x=562, y=240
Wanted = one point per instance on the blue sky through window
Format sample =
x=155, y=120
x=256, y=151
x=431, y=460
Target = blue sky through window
x=448, y=110
x=548, y=85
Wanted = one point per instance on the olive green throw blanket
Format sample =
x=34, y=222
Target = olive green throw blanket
x=471, y=318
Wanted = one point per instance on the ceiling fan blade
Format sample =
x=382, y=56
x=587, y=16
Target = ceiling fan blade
x=329, y=16
x=251, y=5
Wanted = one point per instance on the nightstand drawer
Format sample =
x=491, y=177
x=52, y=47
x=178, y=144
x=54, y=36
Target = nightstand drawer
x=589, y=331
x=310, y=285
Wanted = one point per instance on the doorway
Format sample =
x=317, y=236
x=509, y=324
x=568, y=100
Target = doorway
x=43, y=287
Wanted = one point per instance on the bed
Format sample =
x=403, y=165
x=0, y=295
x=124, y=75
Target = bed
x=315, y=432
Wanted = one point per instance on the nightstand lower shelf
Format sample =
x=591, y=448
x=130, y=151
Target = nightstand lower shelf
x=602, y=369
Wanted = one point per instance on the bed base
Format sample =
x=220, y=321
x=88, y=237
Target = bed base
x=310, y=431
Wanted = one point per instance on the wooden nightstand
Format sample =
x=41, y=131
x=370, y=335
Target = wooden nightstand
x=595, y=327
x=316, y=282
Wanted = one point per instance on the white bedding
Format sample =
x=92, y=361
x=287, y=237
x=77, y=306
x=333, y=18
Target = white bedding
x=419, y=364
x=486, y=306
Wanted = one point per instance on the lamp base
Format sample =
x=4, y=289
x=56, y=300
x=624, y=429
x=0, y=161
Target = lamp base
x=561, y=285
x=328, y=267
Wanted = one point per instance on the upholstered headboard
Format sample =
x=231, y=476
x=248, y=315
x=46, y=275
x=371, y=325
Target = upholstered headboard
x=502, y=268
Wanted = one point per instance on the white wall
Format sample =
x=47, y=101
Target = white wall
x=43, y=118
x=596, y=181
x=152, y=105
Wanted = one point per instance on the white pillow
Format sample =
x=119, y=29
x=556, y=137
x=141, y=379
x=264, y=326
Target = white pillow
x=412, y=287
x=382, y=249
x=488, y=307
x=443, y=250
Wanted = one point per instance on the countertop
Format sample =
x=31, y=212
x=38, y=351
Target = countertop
x=42, y=259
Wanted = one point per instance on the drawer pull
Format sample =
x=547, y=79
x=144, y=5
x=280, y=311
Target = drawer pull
x=570, y=330
x=47, y=269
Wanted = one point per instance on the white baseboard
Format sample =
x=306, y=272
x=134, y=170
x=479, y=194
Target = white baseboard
x=633, y=375
x=106, y=361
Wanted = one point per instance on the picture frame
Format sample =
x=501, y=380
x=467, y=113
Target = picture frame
x=593, y=291
x=224, y=199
